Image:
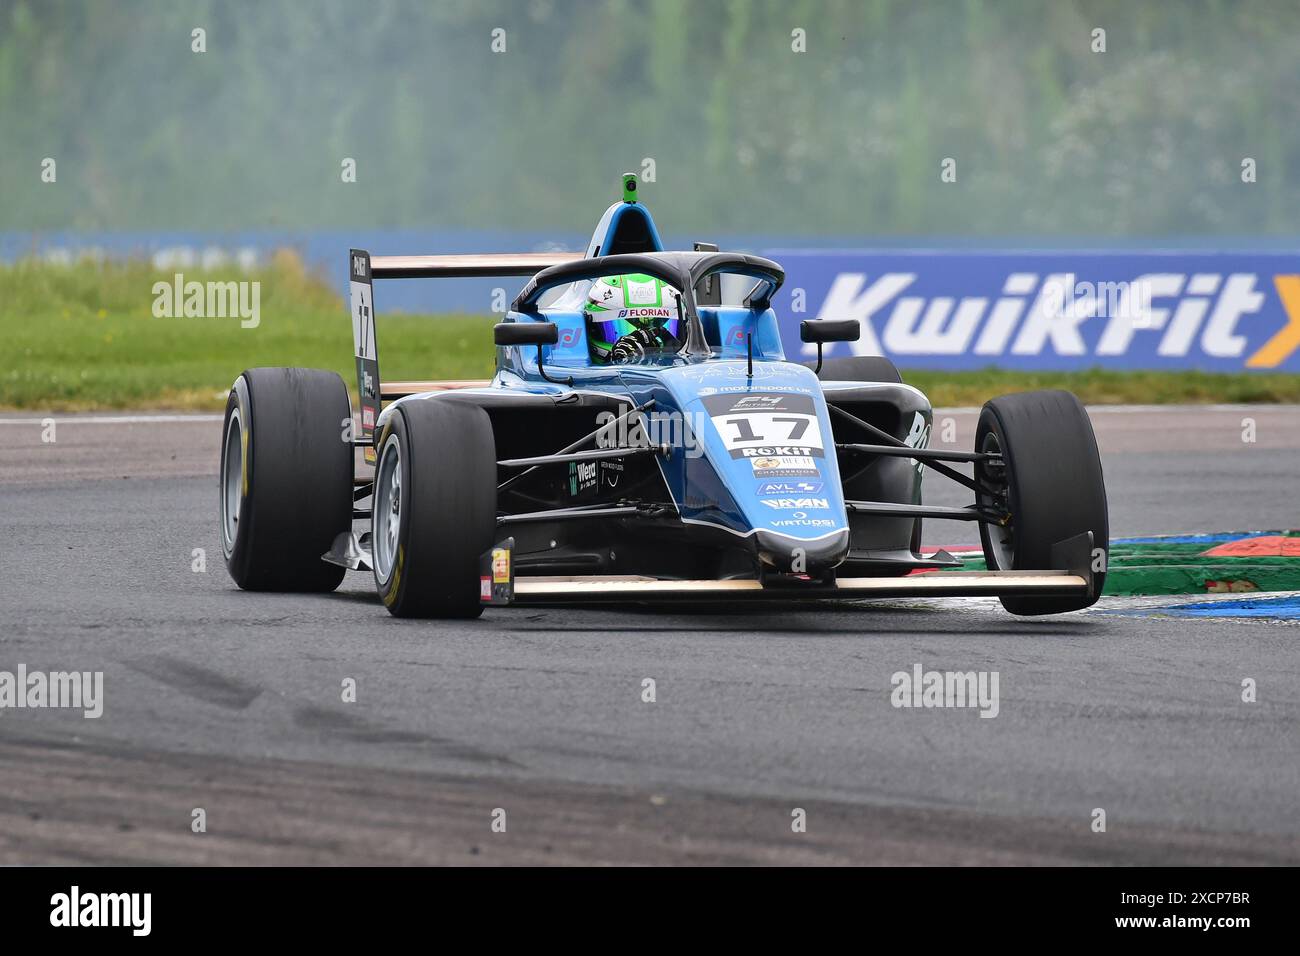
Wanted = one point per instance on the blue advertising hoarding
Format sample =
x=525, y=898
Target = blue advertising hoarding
x=1224, y=311
x=938, y=308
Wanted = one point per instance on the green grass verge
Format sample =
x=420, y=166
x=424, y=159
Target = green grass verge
x=84, y=337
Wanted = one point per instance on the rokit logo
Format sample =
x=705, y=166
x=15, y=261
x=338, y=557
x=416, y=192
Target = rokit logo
x=789, y=504
x=781, y=451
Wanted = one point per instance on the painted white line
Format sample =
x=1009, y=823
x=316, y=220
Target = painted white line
x=74, y=419
x=1148, y=409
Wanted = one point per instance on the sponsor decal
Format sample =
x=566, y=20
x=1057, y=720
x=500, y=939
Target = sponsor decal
x=500, y=566
x=583, y=476
x=789, y=488
x=657, y=313
x=363, y=340
x=785, y=467
x=803, y=523
x=751, y=424
x=918, y=436
x=611, y=472
x=568, y=337
x=1059, y=310
x=485, y=588
x=789, y=504
x=779, y=450
x=642, y=293
x=731, y=389
x=360, y=266
x=765, y=402
x=763, y=370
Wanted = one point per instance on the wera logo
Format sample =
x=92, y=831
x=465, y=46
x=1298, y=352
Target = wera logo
x=946, y=689
x=75, y=908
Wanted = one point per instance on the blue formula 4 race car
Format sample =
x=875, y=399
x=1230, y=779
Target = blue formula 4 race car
x=644, y=438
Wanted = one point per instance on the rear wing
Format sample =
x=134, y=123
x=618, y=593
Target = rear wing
x=363, y=270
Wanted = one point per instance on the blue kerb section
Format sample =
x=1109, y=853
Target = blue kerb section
x=1283, y=608
x=1194, y=538
x=1262, y=608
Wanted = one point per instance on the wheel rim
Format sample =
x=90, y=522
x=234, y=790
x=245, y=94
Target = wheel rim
x=387, y=508
x=997, y=480
x=232, y=479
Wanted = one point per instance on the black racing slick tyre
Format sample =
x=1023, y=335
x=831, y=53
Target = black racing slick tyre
x=286, y=478
x=1048, y=486
x=434, y=508
x=858, y=368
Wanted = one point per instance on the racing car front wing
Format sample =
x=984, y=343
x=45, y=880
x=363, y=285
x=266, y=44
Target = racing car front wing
x=1072, y=575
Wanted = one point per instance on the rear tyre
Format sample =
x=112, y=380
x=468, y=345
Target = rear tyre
x=858, y=368
x=286, y=478
x=434, y=508
x=1049, y=484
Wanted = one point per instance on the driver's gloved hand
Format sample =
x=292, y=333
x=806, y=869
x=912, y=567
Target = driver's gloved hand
x=632, y=347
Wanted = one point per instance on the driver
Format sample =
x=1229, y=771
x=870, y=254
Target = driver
x=629, y=316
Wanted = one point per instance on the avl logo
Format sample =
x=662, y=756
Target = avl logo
x=789, y=488
x=1219, y=311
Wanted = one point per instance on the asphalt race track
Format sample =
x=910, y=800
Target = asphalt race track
x=231, y=702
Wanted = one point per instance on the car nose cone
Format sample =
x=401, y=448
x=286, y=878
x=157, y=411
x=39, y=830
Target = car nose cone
x=787, y=554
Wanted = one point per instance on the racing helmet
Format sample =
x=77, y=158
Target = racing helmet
x=619, y=305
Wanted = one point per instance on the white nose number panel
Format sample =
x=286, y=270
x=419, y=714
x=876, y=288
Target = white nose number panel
x=767, y=424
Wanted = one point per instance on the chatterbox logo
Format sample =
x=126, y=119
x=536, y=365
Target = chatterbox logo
x=1169, y=309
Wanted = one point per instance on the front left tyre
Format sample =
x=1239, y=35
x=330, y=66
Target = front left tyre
x=434, y=507
x=286, y=478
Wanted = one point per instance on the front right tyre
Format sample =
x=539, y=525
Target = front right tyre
x=1047, y=485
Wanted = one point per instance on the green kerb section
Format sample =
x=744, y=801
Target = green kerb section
x=1158, y=568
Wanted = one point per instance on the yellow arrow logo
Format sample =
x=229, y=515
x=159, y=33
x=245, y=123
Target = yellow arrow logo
x=1279, y=348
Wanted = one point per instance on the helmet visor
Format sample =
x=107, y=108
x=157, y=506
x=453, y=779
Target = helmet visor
x=603, y=331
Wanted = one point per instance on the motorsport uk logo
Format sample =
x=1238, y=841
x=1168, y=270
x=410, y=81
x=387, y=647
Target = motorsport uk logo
x=1226, y=311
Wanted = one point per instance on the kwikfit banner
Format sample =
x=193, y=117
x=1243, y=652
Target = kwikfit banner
x=925, y=308
x=1230, y=311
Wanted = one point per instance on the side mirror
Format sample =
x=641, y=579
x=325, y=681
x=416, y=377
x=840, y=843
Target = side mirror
x=530, y=333
x=829, y=330
x=525, y=333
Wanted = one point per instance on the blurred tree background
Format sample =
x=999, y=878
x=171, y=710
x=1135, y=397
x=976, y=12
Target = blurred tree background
x=1050, y=137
